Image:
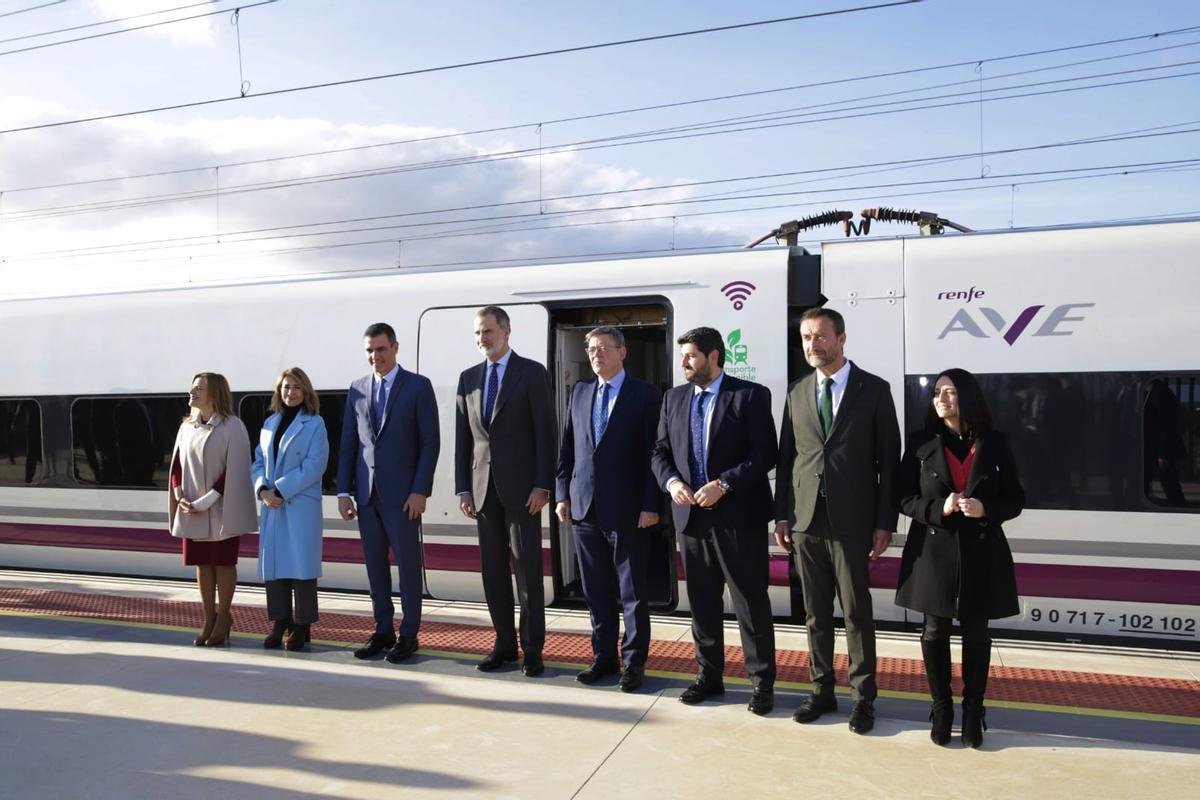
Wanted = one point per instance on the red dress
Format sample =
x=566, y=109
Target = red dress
x=198, y=553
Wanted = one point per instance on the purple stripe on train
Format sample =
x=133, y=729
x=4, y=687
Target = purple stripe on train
x=1176, y=587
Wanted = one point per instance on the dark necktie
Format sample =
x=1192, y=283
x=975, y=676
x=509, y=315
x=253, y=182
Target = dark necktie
x=699, y=462
x=380, y=404
x=826, y=406
x=600, y=414
x=489, y=399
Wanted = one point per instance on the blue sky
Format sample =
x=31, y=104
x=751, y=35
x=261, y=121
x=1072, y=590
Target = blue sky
x=297, y=42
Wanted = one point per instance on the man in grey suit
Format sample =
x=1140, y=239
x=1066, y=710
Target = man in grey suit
x=504, y=417
x=835, y=506
x=388, y=452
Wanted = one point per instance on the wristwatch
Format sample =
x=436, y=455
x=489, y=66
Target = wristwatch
x=724, y=484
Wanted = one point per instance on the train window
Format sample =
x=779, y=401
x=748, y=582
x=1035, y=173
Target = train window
x=21, y=461
x=255, y=408
x=1093, y=441
x=124, y=442
x=1170, y=434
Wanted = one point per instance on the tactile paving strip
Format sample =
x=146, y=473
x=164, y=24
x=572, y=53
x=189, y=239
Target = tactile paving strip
x=1052, y=688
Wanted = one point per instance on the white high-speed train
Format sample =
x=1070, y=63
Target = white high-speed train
x=1085, y=340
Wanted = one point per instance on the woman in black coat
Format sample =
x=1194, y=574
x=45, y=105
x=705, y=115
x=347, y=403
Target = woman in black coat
x=958, y=483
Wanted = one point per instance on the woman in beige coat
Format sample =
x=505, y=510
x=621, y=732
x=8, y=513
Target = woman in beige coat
x=210, y=502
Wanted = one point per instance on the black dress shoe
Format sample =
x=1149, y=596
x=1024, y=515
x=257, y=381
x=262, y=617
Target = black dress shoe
x=375, y=645
x=533, y=665
x=597, y=670
x=862, y=717
x=700, y=691
x=495, y=660
x=405, y=647
x=816, y=704
x=762, y=702
x=631, y=679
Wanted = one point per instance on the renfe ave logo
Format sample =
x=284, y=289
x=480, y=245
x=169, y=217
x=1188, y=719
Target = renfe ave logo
x=981, y=321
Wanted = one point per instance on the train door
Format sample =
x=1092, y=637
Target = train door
x=445, y=347
x=649, y=350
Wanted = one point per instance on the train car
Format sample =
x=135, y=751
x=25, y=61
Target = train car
x=1083, y=338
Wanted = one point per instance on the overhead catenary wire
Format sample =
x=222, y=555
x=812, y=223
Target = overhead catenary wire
x=110, y=21
x=585, y=145
x=640, y=109
x=27, y=9
x=1153, y=132
x=228, y=238
x=147, y=26
x=461, y=65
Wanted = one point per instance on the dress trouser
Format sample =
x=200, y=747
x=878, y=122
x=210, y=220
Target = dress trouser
x=279, y=600
x=612, y=565
x=380, y=527
x=714, y=556
x=829, y=566
x=515, y=533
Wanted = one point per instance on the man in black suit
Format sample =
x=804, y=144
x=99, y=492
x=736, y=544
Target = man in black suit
x=504, y=418
x=716, y=444
x=836, y=509
x=607, y=491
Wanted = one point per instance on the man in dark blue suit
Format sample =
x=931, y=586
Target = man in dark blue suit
x=607, y=491
x=716, y=444
x=388, y=452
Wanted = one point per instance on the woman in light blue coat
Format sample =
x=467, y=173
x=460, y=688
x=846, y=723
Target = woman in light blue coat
x=289, y=462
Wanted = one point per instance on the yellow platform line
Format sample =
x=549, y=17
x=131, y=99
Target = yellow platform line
x=1046, y=708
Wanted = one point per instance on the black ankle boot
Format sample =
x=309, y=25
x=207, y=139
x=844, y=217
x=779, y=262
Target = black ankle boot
x=275, y=637
x=937, y=671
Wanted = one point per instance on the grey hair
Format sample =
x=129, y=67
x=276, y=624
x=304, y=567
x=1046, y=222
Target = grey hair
x=606, y=330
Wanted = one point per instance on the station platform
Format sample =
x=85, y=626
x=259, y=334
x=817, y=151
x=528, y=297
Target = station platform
x=103, y=696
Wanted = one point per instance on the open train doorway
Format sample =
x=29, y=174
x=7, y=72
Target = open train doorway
x=649, y=352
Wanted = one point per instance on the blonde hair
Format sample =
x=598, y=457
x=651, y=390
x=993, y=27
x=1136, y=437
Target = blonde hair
x=218, y=392
x=312, y=404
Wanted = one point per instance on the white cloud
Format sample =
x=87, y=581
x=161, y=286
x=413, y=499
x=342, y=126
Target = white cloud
x=37, y=222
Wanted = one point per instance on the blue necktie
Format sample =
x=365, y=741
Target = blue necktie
x=489, y=398
x=380, y=404
x=698, y=465
x=600, y=414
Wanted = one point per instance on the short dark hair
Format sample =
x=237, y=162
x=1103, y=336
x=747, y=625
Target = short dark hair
x=839, y=322
x=974, y=416
x=497, y=313
x=380, y=328
x=606, y=330
x=706, y=340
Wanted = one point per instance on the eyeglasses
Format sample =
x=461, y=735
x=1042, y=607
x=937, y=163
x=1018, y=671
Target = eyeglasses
x=591, y=351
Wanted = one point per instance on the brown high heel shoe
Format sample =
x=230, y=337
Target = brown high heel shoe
x=220, y=634
x=206, y=631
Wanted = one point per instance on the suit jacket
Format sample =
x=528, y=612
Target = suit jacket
x=520, y=439
x=741, y=451
x=614, y=476
x=957, y=566
x=399, y=460
x=857, y=462
x=289, y=537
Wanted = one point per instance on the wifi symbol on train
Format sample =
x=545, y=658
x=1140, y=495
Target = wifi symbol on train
x=738, y=292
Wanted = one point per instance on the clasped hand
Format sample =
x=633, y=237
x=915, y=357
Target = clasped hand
x=967, y=506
